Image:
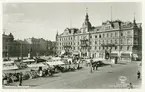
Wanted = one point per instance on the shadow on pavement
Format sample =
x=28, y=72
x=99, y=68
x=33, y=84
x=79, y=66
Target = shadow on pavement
x=122, y=63
x=51, y=76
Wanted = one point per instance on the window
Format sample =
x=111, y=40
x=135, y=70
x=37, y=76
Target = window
x=115, y=47
x=115, y=34
x=127, y=47
x=90, y=43
x=121, y=41
x=95, y=42
x=128, y=33
x=99, y=36
x=115, y=41
x=103, y=35
x=121, y=34
x=95, y=36
x=111, y=41
x=103, y=47
x=107, y=35
x=111, y=34
x=120, y=47
x=99, y=47
x=107, y=41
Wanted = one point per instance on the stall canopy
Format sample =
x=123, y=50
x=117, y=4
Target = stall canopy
x=98, y=59
x=9, y=65
x=8, y=62
x=37, y=65
x=125, y=55
x=28, y=60
x=55, y=63
x=10, y=68
x=114, y=55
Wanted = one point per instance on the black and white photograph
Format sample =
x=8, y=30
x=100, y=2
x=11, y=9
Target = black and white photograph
x=72, y=45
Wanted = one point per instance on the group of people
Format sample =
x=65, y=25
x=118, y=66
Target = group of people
x=12, y=77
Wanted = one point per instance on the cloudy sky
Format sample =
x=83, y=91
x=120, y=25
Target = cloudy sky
x=43, y=20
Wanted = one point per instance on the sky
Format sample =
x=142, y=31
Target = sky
x=43, y=20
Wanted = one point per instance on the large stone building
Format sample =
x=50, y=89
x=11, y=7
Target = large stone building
x=7, y=44
x=12, y=48
x=21, y=48
x=111, y=39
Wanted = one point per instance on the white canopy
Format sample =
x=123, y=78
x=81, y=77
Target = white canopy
x=55, y=63
x=10, y=68
x=29, y=60
x=8, y=62
x=98, y=59
x=36, y=65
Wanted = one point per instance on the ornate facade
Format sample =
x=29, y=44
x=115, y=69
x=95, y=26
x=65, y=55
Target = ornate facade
x=111, y=39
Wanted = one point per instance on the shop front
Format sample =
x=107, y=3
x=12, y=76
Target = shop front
x=113, y=55
x=125, y=56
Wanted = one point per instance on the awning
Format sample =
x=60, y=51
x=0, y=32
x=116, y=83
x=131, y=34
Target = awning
x=29, y=60
x=10, y=68
x=98, y=59
x=8, y=62
x=125, y=55
x=135, y=55
x=114, y=54
x=36, y=65
x=55, y=63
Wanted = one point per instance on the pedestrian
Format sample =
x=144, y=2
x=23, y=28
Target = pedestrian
x=92, y=65
x=20, y=79
x=130, y=86
x=5, y=80
x=138, y=75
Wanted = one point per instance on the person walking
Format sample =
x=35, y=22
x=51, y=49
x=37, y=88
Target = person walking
x=20, y=79
x=138, y=75
x=130, y=86
x=91, y=65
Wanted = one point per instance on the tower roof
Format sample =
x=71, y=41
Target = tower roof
x=86, y=22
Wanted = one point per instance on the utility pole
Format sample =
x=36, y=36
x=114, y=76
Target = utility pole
x=21, y=51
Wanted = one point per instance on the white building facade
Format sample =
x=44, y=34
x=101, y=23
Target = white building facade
x=111, y=39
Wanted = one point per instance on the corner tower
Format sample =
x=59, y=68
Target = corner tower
x=86, y=25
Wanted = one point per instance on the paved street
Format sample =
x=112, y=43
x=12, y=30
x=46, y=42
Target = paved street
x=105, y=77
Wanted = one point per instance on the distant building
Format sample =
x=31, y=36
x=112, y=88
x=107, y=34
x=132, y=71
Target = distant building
x=111, y=39
x=38, y=46
x=21, y=48
x=51, y=48
x=7, y=44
